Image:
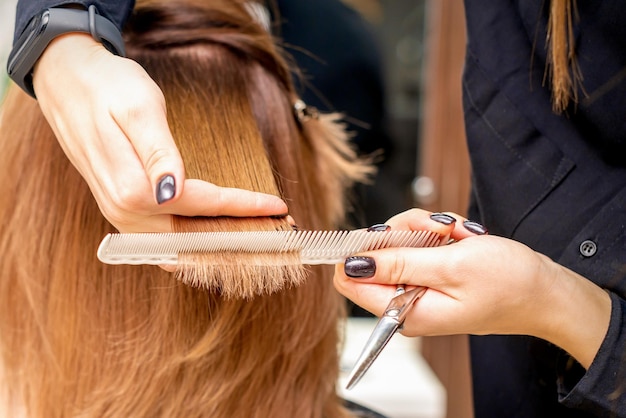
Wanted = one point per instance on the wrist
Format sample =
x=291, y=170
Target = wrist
x=578, y=315
x=61, y=56
x=67, y=48
x=51, y=24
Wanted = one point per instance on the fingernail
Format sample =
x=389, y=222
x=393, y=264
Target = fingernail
x=165, y=189
x=379, y=227
x=359, y=267
x=442, y=218
x=475, y=227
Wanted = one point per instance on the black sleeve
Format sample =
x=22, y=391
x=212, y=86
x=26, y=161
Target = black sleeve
x=600, y=389
x=116, y=11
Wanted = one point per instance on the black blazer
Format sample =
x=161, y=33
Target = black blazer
x=554, y=182
x=116, y=11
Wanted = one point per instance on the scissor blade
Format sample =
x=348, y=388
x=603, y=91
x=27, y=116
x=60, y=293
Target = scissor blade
x=384, y=330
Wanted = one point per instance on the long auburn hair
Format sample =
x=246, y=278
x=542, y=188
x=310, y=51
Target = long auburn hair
x=83, y=339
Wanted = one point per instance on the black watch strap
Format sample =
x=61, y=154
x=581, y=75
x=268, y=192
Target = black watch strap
x=49, y=24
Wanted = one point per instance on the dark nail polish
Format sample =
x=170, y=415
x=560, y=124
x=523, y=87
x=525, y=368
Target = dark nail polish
x=359, y=267
x=475, y=227
x=165, y=189
x=442, y=218
x=379, y=227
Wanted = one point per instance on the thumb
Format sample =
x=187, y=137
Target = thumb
x=369, y=279
x=144, y=122
x=394, y=266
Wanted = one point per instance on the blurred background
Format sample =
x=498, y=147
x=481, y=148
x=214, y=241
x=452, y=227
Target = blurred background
x=7, y=16
x=399, y=86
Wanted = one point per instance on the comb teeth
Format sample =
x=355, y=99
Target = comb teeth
x=315, y=247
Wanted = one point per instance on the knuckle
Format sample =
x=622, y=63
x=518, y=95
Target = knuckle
x=113, y=214
x=414, y=211
x=456, y=266
x=156, y=156
x=137, y=102
x=121, y=204
x=397, y=269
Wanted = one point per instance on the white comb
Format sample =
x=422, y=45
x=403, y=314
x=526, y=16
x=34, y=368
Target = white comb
x=314, y=247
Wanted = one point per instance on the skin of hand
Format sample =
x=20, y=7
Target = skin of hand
x=110, y=119
x=484, y=285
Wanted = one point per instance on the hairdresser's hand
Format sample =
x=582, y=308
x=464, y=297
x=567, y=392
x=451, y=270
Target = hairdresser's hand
x=480, y=284
x=110, y=119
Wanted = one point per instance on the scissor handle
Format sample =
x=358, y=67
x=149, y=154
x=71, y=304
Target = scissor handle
x=401, y=304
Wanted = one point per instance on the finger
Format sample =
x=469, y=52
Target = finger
x=169, y=268
x=394, y=266
x=225, y=201
x=116, y=177
x=403, y=266
x=372, y=297
x=465, y=228
x=144, y=122
x=292, y=222
x=419, y=219
x=369, y=279
x=160, y=223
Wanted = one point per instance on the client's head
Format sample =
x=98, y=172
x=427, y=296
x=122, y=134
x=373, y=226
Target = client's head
x=78, y=338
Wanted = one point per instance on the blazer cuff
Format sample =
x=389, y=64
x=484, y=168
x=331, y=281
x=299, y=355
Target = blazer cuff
x=116, y=11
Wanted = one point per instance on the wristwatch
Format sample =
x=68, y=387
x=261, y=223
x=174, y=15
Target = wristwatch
x=49, y=24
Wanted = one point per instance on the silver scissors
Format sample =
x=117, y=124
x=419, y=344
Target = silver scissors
x=391, y=321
